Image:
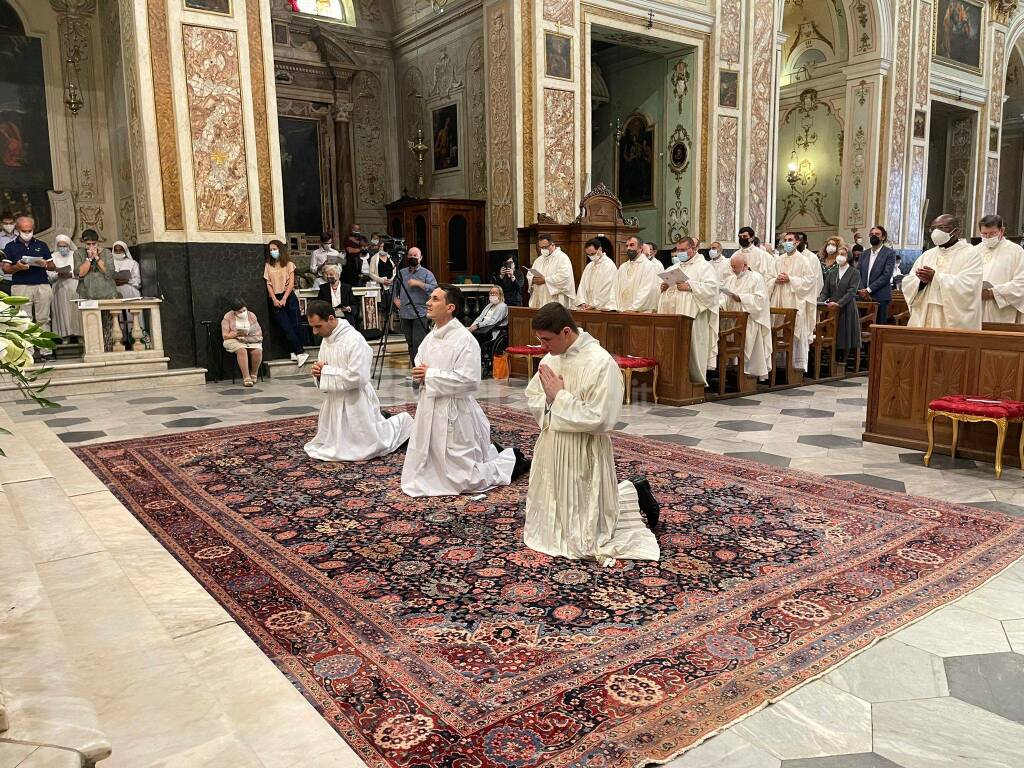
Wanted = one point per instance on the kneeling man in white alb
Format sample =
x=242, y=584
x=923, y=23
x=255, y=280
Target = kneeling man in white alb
x=351, y=426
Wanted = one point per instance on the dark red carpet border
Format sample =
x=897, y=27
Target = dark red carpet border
x=428, y=635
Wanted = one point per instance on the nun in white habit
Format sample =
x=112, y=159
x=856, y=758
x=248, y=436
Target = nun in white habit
x=65, y=319
x=351, y=426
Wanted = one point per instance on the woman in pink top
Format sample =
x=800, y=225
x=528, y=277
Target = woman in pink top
x=279, y=272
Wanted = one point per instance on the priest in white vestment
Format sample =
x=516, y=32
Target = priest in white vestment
x=1002, y=290
x=758, y=259
x=550, y=277
x=943, y=289
x=696, y=296
x=718, y=261
x=637, y=284
x=450, y=451
x=575, y=506
x=747, y=292
x=598, y=286
x=797, y=285
x=351, y=426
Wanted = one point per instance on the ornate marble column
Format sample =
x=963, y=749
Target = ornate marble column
x=343, y=150
x=1001, y=13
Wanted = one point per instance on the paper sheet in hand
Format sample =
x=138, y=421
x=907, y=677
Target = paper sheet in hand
x=534, y=273
x=674, y=276
x=727, y=292
x=34, y=261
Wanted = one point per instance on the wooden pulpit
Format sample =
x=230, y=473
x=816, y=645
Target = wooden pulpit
x=449, y=232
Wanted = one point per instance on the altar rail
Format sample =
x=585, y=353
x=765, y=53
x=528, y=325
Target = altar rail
x=104, y=338
x=910, y=367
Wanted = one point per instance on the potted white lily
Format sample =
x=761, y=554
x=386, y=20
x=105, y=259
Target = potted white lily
x=18, y=337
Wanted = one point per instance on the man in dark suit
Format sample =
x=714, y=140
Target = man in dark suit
x=876, y=267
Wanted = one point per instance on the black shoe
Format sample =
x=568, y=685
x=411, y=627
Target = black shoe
x=522, y=465
x=386, y=414
x=498, y=446
x=648, y=504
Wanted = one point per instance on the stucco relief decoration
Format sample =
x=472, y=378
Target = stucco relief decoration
x=865, y=40
x=759, y=158
x=991, y=185
x=804, y=197
x=214, y=92
x=370, y=11
x=998, y=66
x=257, y=82
x=369, y=142
x=901, y=107
x=526, y=14
x=166, y=129
x=559, y=154
x=412, y=98
x=729, y=30
x=678, y=221
x=499, y=89
x=924, y=32
x=560, y=11
x=445, y=80
x=725, y=198
x=140, y=201
x=477, y=116
x=680, y=82
x=960, y=166
x=680, y=138
x=914, y=238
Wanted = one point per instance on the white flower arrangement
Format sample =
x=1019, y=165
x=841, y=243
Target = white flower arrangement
x=18, y=337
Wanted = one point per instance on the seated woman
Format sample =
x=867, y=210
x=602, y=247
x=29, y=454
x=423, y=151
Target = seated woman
x=339, y=295
x=492, y=319
x=243, y=337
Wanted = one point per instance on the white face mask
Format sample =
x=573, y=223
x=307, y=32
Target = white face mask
x=830, y=249
x=713, y=253
x=841, y=260
x=26, y=236
x=940, y=238
x=992, y=242
x=8, y=228
x=495, y=300
x=64, y=250
x=594, y=256
x=242, y=312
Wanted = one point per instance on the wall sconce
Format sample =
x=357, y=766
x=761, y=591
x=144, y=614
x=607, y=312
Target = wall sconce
x=418, y=147
x=73, y=99
x=618, y=130
x=792, y=177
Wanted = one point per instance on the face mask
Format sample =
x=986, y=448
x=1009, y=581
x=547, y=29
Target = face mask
x=375, y=242
x=713, y=253
x=64, y=250
x=26, y=236
x=875, y=241
x=859, y=241
x=414, y=262
x=119, y=254
x=631, y=254
x=327, y=245
x=744, y=242
x=495, y=300
x=275, y=255
x=8, y=228
x=841, y=260
x=940, y=238
x=789, y=247
x=991, y=242
x=242, y=312
x=830, y=249
x=680, y=257
x=594, y=256
x=332, y=279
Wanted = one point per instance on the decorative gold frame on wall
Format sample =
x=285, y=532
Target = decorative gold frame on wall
x=981, y=6
x=229, y=12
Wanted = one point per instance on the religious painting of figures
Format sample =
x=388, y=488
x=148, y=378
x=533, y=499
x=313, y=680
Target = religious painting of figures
x=339, y=10
x=216, y=6
x=728, y=89
x=558, y=56
x=26, y=174
x=446, y=137
x=958, y=33
x=300, y=173
x=635, y=162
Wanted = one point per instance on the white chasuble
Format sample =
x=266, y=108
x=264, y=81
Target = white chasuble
x=953, y=298
x=800, y=293
x=760, y=261
x=637, y=285
x=1004, y=271
x=701, y=303
x=559, y=282
x=575, y=506
x=753, y=295
x=450, y=451
x=351, y=427
x=722, y=267
x=598, y=284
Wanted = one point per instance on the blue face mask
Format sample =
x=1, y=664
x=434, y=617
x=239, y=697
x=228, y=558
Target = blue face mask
x=274, y=255
x=680, y=258
x=789, y=247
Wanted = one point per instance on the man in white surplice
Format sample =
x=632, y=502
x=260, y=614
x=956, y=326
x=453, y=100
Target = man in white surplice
x=351, y=426
x=758, y=259
x=575, y=506
x=600, y=279
x=745, y=291
x=796, y=286
x=450, y=451
x=698, y=297
x=550, y=277
x=1002, y=291
x=943, y=289
x=637, y=283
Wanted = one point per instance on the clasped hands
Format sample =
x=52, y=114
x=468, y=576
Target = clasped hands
x=782, y=278
x=318, y=367
x=419, y=374
x=551, y=382
x=925, y=274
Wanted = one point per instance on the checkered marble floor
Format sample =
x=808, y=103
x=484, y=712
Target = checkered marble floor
x=944, y=692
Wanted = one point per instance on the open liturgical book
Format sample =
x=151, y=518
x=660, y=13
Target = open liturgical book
x=674, y=276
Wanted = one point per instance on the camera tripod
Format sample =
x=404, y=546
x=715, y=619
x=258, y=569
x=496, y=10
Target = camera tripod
x=389, y=309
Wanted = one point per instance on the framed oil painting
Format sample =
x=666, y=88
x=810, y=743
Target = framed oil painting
x=920, y=122
x=635, y=162
x=557, y=56
x=445, y=121
x=958, y=33
x=993, y=139
x=728, y=89
x=302, y=185
x=213, y=6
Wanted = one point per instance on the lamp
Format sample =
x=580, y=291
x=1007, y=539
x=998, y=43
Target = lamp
x=792, y=178
x=73, y=99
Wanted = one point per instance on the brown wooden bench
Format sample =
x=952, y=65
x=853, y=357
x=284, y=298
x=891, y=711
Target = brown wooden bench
x=732, y=342
x=783, y=332
x=825, y=329
x=868, y=311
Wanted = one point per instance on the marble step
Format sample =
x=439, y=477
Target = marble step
x=38, y=756
x=121, y=382
x=63, y=370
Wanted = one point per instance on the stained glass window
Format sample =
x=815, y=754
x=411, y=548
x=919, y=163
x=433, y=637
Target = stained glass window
x=336, y=10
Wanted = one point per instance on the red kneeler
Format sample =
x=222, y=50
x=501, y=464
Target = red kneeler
x=530, y=352
x=970, y=408
x=630, y=365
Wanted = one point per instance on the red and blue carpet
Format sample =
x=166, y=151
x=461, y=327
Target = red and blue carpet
x=428, y=635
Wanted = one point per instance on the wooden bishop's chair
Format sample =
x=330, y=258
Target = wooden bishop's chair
x=825, y=330
x=783, y=333
x=732, y=343
x=868, y=311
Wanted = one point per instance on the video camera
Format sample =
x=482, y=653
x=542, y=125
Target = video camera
x=394, y=246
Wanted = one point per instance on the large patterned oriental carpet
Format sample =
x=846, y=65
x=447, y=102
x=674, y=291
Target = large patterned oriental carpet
x=428, y=635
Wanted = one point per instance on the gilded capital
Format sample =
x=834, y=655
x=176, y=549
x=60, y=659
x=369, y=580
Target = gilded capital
x=1002, y=10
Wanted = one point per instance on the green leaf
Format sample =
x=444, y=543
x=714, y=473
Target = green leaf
x=16, y=301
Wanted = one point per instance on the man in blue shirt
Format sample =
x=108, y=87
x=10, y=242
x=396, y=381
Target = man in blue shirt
x=411, y=300
x=26, y=261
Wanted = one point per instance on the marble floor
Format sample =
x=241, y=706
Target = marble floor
x=945, y=691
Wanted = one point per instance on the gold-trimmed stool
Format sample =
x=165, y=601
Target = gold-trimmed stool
x=630, y=365
x=530, y=352
x=962, y=408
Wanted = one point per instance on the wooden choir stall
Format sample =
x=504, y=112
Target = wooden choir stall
x=449, y=231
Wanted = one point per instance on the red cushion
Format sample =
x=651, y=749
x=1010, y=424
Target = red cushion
x=976, y=405
x=529, y=351
x=626, y=361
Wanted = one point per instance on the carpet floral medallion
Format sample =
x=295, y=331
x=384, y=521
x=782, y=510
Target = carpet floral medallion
x=428, y=635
